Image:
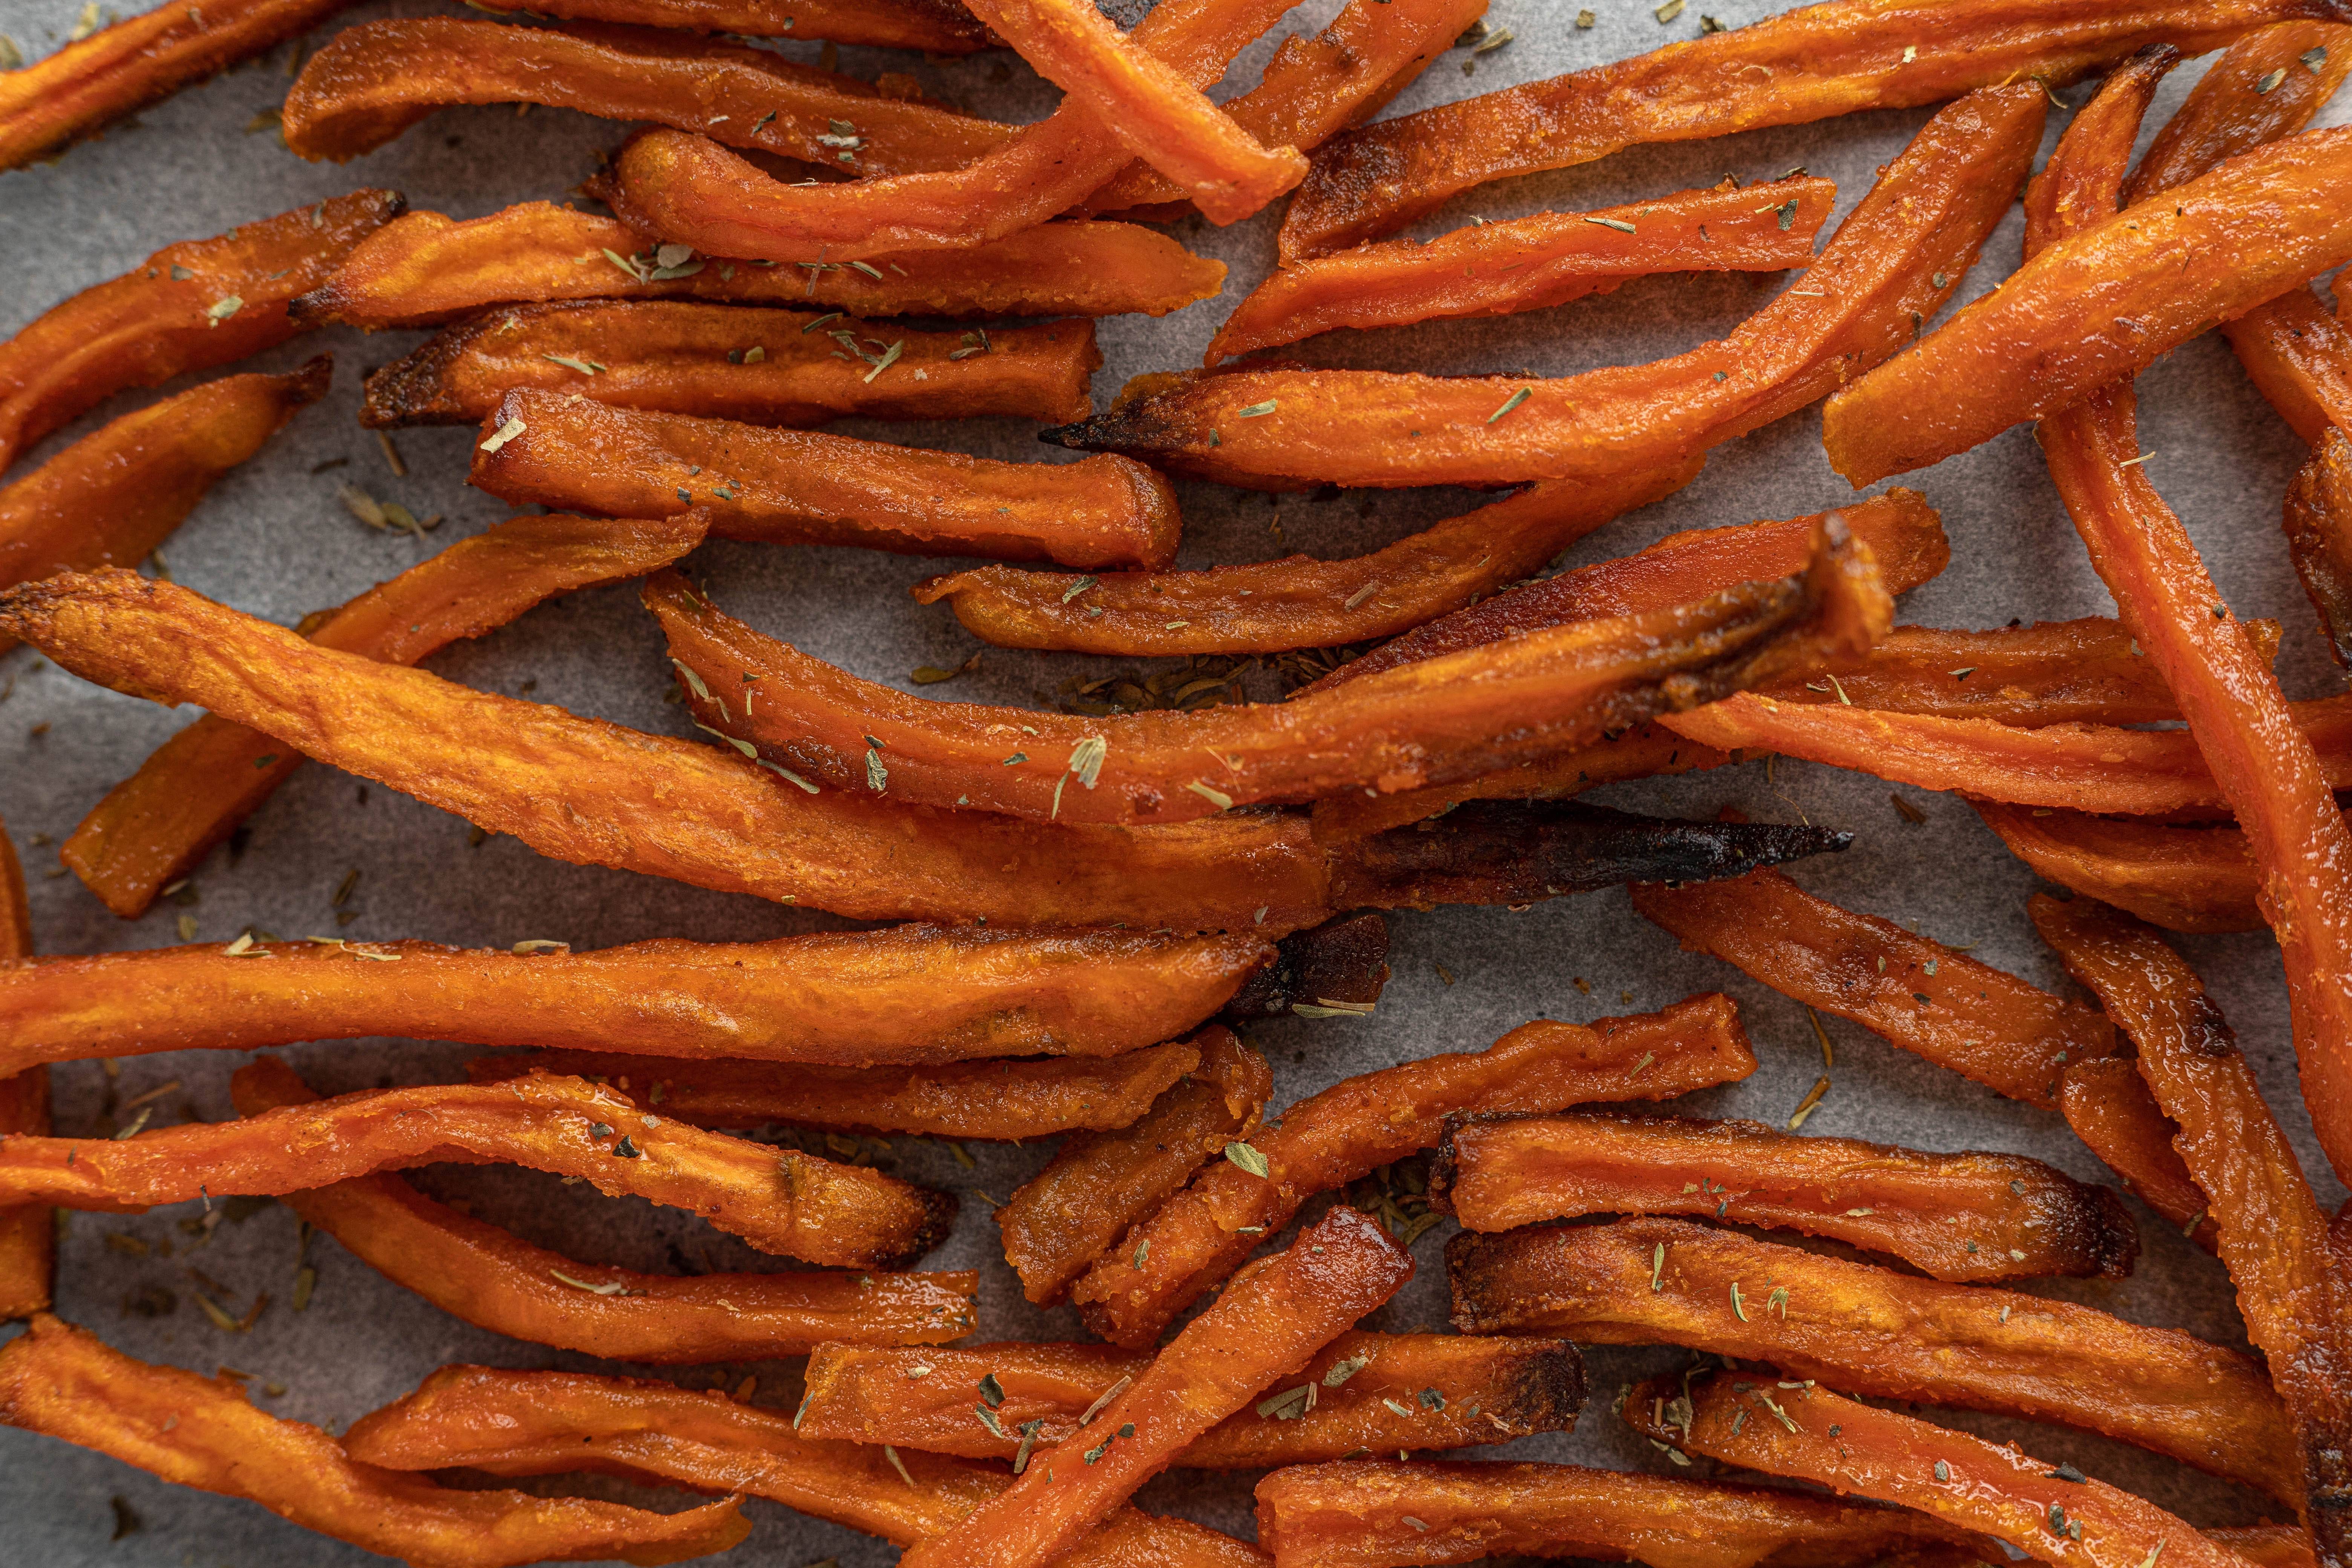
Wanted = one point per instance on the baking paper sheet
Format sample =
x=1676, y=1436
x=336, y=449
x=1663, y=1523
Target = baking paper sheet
x=271, y=539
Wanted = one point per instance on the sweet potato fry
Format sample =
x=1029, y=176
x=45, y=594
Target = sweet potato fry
x=1372, y=1391
x=2273, y=1236
x=191, y=793
x=1201, y=1234
x=1874, y=1331
x=762, y=367
x=29, y=1249
x=1797, y=1429
x=373, y=81
x=114, y=496
x=1062, y=1219
x=778, y=1199
x=2318, y=524
x=1967, y=1218
x=1530, y=263
x=190, y=306
x=2112, y=1112
x=1291, y=429
x=122, y=68
x=2182, y=878
x=1378, y=1514
x=425, y=268
x=203, y=1432
x=1148, y=106
x=541, y=1422
x=494, y=1280
x=1912, y=992
x=934, y=26
x=909, y=995
x=1800, y=66
x=809, y=488
x=1268, y=1325
x=1340, y=964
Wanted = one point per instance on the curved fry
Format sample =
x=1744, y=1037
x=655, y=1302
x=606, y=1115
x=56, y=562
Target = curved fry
x=29, y=1244
x=2109, y=1108
x=935, y=27
x=2318, y=524
x=2182, y=878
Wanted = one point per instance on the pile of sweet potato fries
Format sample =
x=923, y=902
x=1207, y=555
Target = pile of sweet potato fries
x=1087, y=909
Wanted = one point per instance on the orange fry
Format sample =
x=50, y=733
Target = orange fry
x=798, y=487
x=934, y=26
x=1200, y=1235
x=1268, y=1325
x=494, y=1280
x=778, y=1199
x=2182, y=878
x=1530, y=263
x=1874, y=1331
x=2112, y=1112
x=205, y=1433
x=29, y=1244
x=2318, y=525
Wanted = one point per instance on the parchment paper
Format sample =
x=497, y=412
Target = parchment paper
x=272, y=539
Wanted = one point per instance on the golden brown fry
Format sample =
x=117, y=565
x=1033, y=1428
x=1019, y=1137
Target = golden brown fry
x=205, y=1433
x=787, y=486
x=2182, y=878
x=2112, y=1112
x=1200, y=1235
x=1874, y=1331
x=1967, y=1218
x=495, y=1280
x=934, y=26
x=2318, y=524
x=28, y=1245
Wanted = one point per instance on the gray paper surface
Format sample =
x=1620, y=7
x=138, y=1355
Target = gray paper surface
x=271, y=539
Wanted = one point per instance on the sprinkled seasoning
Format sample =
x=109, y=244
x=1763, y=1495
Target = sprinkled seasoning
x=888, y=1453
x=502, y=435
x=1526, y=391
x=890, y=357
x=2271, y=80
x=877, y=777
x=613, y=1289
x=1343, y=1371
x=2312, y=60
x=1658, y=1269
x=223, y=309
x=1257, y=409
x=1738, y=1305
x=1813, y=1099
x=1245, y=1156
x=1077, y=588
x=1215, y=797
x=1669, y=11
x=1619, y=224
x=584, y=366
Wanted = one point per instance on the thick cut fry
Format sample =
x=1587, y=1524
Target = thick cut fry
x=1864, y=298
x=1200, y=1235
x=1268, y=1325
x=1874, y=1331
x=114, y=496
x=2182, y=878
x=1150, y=107
x=191, y=793
x=1967, y=1218
x=1800, y=66
x=190, y=306
x=2112, y=1112
x=913, y=995
x=1371, y=1392
x=2318, y=524
x=540, y=1423
x=375, y=81
x=495, y=1280
x=203, y=1432
x=2273, y=1236
x=934, y=26
x=1062, y=1219
x=1377, y=1513
x=1795, y=1429
x=29, y=1248
x=762, y=367
x=799, y=487
x=1530, y=263
x=987, y=1100
x=426, y=269
x=1911, y=991
x=777, y=1199
x=1427, y=723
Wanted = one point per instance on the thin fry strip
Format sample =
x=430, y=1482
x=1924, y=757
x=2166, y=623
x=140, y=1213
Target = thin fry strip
x=494, y=1280
x=1967, y=1218
x=190, y=306
x=1874, y=1331
x=373, y=81
x=909, y=995
x=1913, y=991
x=2182, y=878
x=1796, y=1429
x=781, y=1200
x=116, y=494
x=541, y=1422
x=1378, y=1513
x=1061, y=1220
x=1863, y=300
x=2111, y=1111
x=1200, y=1235
x=1426, y=723
x=804, y=487
x=1376, y=1393
x=1844, y=58
x=2273, y=1236
x=1148, y=106
x=425, y=268
x=1531, y=263
x=987, y=1100
x=2318, y=525
x=28, y=1237
x=934, y=26
x=1268, y=1325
